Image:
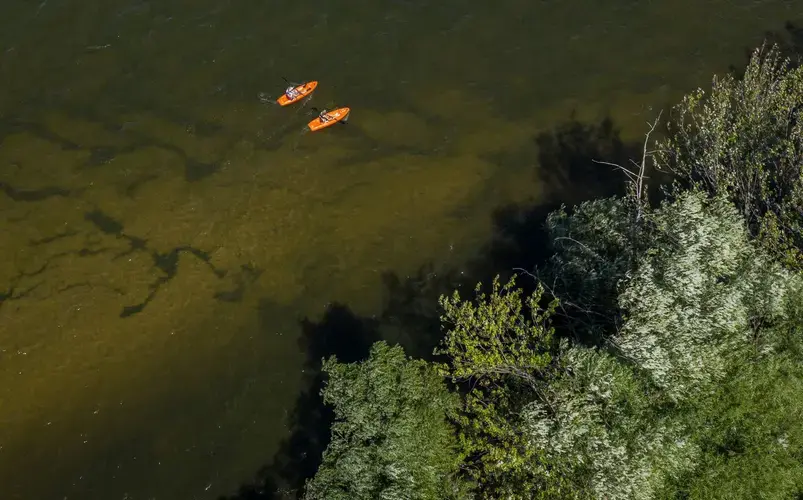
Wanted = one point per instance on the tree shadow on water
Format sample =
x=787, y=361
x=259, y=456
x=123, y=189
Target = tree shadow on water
x=789, y=42
x=339, y=333
x=411, y=313
x=565, y=158
x=570, y=175
x=567, y=154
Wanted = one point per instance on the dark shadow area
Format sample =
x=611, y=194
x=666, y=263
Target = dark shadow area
x=100, y=156
x=32, y=194
x=789, y=42
x=13, y=291
x=565, y=155
x=132, y=188
x=167, y=263
x=411, y=313
x=247, y=275
x=195, y=170
x=566, y=159
x=339, y=333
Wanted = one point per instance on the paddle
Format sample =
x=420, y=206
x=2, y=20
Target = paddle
x=288, y=82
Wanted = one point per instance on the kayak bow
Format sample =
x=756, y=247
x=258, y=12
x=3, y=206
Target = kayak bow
x=303, y=90
x=334, y=116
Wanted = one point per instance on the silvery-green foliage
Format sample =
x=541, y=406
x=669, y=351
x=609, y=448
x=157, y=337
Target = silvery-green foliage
x=744, y=140
x=697, y=296
x=605, y=422
x=699, y=301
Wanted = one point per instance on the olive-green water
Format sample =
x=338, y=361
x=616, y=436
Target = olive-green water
x=164, y=230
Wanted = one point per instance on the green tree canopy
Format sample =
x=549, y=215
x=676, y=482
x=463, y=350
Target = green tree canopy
x=623, y=420
x=500, y=344
x=749, y=435
x=391, y=438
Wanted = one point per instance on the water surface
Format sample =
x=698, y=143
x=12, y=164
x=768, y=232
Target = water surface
x=164, y=231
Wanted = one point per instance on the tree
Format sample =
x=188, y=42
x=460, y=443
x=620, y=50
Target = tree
x=708, y=319
x=718, y=326
x=749, y=435
x=613, y=433
x=745, y=141
x=542, y=422
x=500, y=346
x=391, y=438
x=627, y=418
x=594, y=247
x=699, y=296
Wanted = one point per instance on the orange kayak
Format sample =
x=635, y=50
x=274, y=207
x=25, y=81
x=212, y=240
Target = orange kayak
x=303, y=90
x=333, y=117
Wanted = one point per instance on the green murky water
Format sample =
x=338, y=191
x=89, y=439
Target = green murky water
x=163, y=231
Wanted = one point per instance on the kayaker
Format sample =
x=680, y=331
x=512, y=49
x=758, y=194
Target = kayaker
x=291, y=93
x=324, y=117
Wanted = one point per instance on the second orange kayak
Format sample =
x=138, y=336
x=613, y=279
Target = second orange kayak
x=330, y=118
x=303, y=90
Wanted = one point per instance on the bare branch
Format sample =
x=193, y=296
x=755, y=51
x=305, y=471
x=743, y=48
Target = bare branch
x=616, y=165
x=531, y=275
x=581, y=244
